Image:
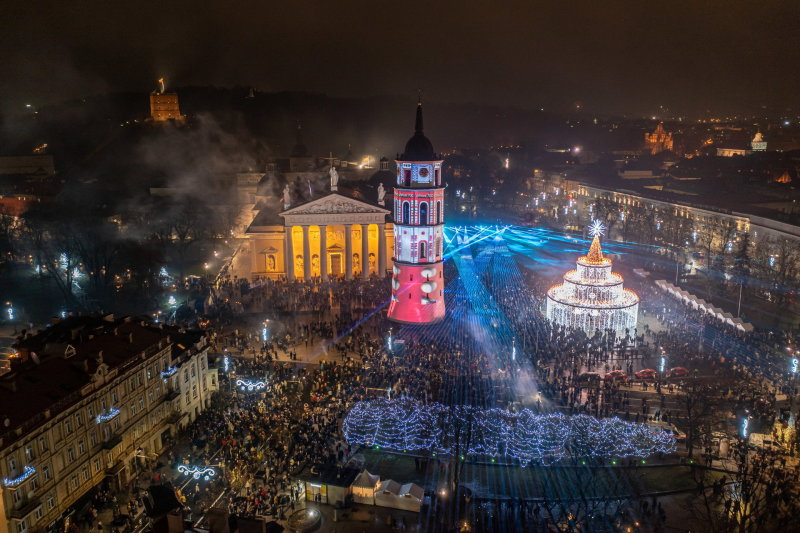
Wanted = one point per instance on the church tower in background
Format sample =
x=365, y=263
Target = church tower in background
x=417, y=275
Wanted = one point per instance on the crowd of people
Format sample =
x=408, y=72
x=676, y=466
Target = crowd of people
x=266, y=440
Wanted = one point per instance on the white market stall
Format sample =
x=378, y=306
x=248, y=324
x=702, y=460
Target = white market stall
x=364, y=487
x=700, y=304
x=406, y=497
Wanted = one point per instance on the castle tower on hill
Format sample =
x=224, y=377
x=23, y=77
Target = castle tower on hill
x=163, y=105
x=418, y=277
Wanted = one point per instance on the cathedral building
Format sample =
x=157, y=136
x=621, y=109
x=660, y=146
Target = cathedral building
x=308, y=233
x=658, y=141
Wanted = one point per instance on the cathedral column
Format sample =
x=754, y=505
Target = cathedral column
x=364, y=251
x=348, y=251
x=323, y=251
x=288, y=254
x=306, y=255
x=382, y=250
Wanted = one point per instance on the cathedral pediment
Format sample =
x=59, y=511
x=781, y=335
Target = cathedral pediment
x=335, y=204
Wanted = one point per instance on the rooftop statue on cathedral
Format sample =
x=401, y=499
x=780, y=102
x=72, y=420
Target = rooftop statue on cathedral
x=287, y=197
x=334, y=179
x=381, y=194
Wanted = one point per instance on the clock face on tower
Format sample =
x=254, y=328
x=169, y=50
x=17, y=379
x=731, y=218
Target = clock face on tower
x=423, y=172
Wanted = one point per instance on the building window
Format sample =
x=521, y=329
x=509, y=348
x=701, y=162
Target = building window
x=70, y=454
x=423, y=213
x=438, y=211
x=93, y=438
x=81, y=447
x=194, y=391
x=406, y=212
x=42, y=444
x=78, y=419
x=22, y=526
x=51, y=503
x=407, y=177
x=46, y=472
x=96, y=465
x=114, y=397
x=30, y=453
x=68, y=426
x=73, y=482
x=38, y=513
x=91, y=412
x=12, y=466
x=34, y=483
x=85, y=473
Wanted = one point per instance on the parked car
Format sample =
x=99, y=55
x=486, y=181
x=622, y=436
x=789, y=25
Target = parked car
x=678, y=372
x=667, y=427
x=646, y=374
x=589, y=378
x=615, y=375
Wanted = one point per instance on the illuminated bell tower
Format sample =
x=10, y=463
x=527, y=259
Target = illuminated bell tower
x=418, y=278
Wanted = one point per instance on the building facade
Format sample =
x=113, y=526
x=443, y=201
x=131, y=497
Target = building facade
x=418, y=274
x=91, y=400
x=334, y=236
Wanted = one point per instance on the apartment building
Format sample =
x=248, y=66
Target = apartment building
x=91, y=400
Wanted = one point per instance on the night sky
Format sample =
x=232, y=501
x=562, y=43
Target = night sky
x=611, y=56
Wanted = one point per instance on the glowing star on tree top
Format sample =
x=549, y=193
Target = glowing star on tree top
x=597, y=228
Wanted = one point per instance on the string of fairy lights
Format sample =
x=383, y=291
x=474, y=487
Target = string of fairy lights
x=407, y=425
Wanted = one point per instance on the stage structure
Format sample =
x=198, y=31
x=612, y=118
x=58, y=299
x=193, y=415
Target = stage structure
x=418, y=279
x=592, y=296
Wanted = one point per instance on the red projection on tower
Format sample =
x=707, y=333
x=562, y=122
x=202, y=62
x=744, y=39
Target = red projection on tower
x=418, y=278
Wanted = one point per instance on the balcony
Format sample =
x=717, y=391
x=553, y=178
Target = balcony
x=176, y=416
x=26, y=509
x=111, y=442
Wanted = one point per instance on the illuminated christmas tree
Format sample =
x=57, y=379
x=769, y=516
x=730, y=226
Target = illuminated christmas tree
x=592, y=297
